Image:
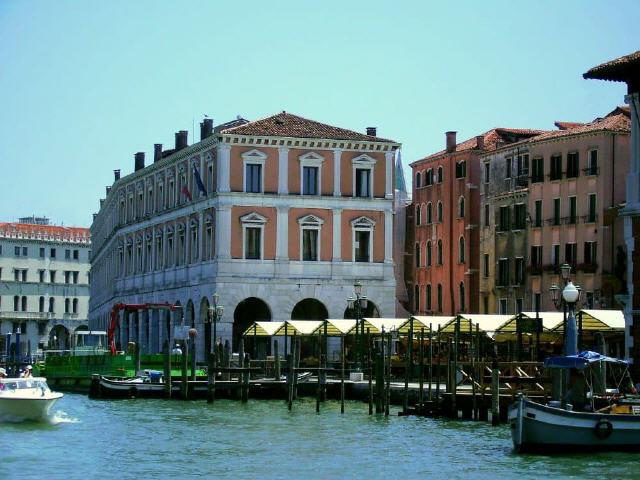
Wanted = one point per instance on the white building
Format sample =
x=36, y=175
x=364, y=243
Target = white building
x=278, y=216
x=44, y=284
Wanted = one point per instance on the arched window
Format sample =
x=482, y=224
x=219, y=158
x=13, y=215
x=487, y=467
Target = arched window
x=66, y=305
x=440, y=297
x=461, y=207
x=462, y=299
x=461, y=250
x=52, y=303
x=416, y=297
x=75, y=305
x=429, y=215
x=440, y=175
x=429, y=177
x=417, y=254
x=439, y=213
x=427, y=298
x=41, y=305
x=428, y=253
x=418, y=209
x=24, y=304
x=418, y=180
x=439, y=253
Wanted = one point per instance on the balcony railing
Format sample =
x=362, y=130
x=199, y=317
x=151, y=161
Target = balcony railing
x=27, y=315
x=592, y=218
x=591, y=267
x=522, y=180
x=534, y=269
x=591, y=171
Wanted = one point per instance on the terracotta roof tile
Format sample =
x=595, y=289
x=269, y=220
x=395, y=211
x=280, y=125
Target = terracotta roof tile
x=44, y=232
x=617, y=69
x=288, y=125
x=567, y=125
x=616, y=121
x=494, y=138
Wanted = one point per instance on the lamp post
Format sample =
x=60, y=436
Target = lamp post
x=567, y=301
x=358, y=305
x=215, y=315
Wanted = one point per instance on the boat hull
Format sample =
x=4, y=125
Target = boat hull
x=125, y=388
x=18, y=409
x=540, y=428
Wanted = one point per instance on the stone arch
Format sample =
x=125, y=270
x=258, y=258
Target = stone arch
x=59, y=338
x=189, y=314
x=309, y=309
x=249, y=310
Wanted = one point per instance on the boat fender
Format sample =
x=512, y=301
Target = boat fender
x=603, y=429
x=133, y=392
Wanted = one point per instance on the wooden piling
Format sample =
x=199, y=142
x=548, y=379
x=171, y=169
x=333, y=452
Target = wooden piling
x=296, y=366
x=388, y=392
x=276, y=367
x=379, y=365
x=474, y=404
x=137, y=357
x=438, y=365
x=289, y=380
x=342, y=373
x=370, y=368
x=245, y=375
x=166, y=349
x=495, y=394
x=240, y=365
x=184, y=392
x=407, y=368
x=211, y=377
x=430, y=360
x=319, y=387
x=454, y=370
x=192, y=352
x=421, y=370
x=227, y=360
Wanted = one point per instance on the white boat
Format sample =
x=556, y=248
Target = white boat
x=557, y=427
x=26, y=398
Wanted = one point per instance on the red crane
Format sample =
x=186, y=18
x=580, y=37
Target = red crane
x=132, y=307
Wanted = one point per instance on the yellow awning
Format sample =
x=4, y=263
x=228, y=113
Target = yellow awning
x=375, y=325
x=339, y=327
x=263, y=329
x=420, y=322
x=549, y=321
x=597, y=321
x=300, y=327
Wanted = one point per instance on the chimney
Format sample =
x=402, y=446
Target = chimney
x=157, y=152
x=139, y=161
x=451, y=141
x=181, y=139
x=94, y=216
x=116, y=175
x=206, y=128
x=480, y=142
x=371, y=131
x=108, y=190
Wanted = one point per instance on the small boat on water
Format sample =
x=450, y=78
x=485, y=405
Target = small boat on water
x=561, y=425
x=26, y=398
x=148, y=385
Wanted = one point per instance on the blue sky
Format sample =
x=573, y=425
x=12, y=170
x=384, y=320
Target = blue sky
x=85, y=85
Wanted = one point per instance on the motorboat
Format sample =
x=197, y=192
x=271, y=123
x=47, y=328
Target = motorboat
x=26, y=398
x=150, y=384
x=560, y=425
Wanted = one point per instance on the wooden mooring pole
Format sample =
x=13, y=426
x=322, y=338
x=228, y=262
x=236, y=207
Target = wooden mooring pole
x=421, y=360
x=245, y=375
x=184, y=392
x=240, y=365
x=342, y=350
x=166, y=348
x=495, y=394
x=370, y=368
x=211, y=377
x=388, y=392
x=407, y=368
x=276, y=367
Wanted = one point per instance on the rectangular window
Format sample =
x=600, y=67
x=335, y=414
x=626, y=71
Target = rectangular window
x=24, y=251
x=590, y=253
x=503, y=272
x=252, y=243
x=362, y=246
x=573, y=210
x=486, y=215
x=556, y=211
x=42, y=252
x=592, y=217
x=485, y=265
x=592, y=167
x=461, y=169
x=520, y=216
x=503, y=306
x=518, y=305
x=523, y=170
x=428, y=298
x=485, y=303
x=52, y=276
x=537, y=174
x=519, y=270
x=67, y=276
x=253, y=178
x=556, y=167
x=537, y=302
x=67, y=254
x=53, y=253
x=310, y=244
x=17, y=251
x=41, y=276
x=572, y=165
x=310, y=180
x=75, y=277
x=363, y=182
x=16, y=275
x=487, y=172
x=536, y=257
x=570, y=253
x=508, y=164
x=538, y=214
x=555, y=257
x=76, y=254
x=505, y=219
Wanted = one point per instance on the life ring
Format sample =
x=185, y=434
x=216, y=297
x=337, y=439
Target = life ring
x=603, y=429
x=133, y=392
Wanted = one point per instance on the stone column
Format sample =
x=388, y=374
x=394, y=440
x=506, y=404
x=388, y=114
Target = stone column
x=283, y=170
x=388, y=236
x=282, y=234
x=388, y=174
x=223, y=167
x=337, y=154
x=337, y=235
x=154, y=254
x=200, y=235
x=223, y=232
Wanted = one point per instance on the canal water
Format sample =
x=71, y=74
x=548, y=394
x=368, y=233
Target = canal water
x=129, y=439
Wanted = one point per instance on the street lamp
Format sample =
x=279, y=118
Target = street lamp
x=215, y=315
x=567, y=301
x=358, y=305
